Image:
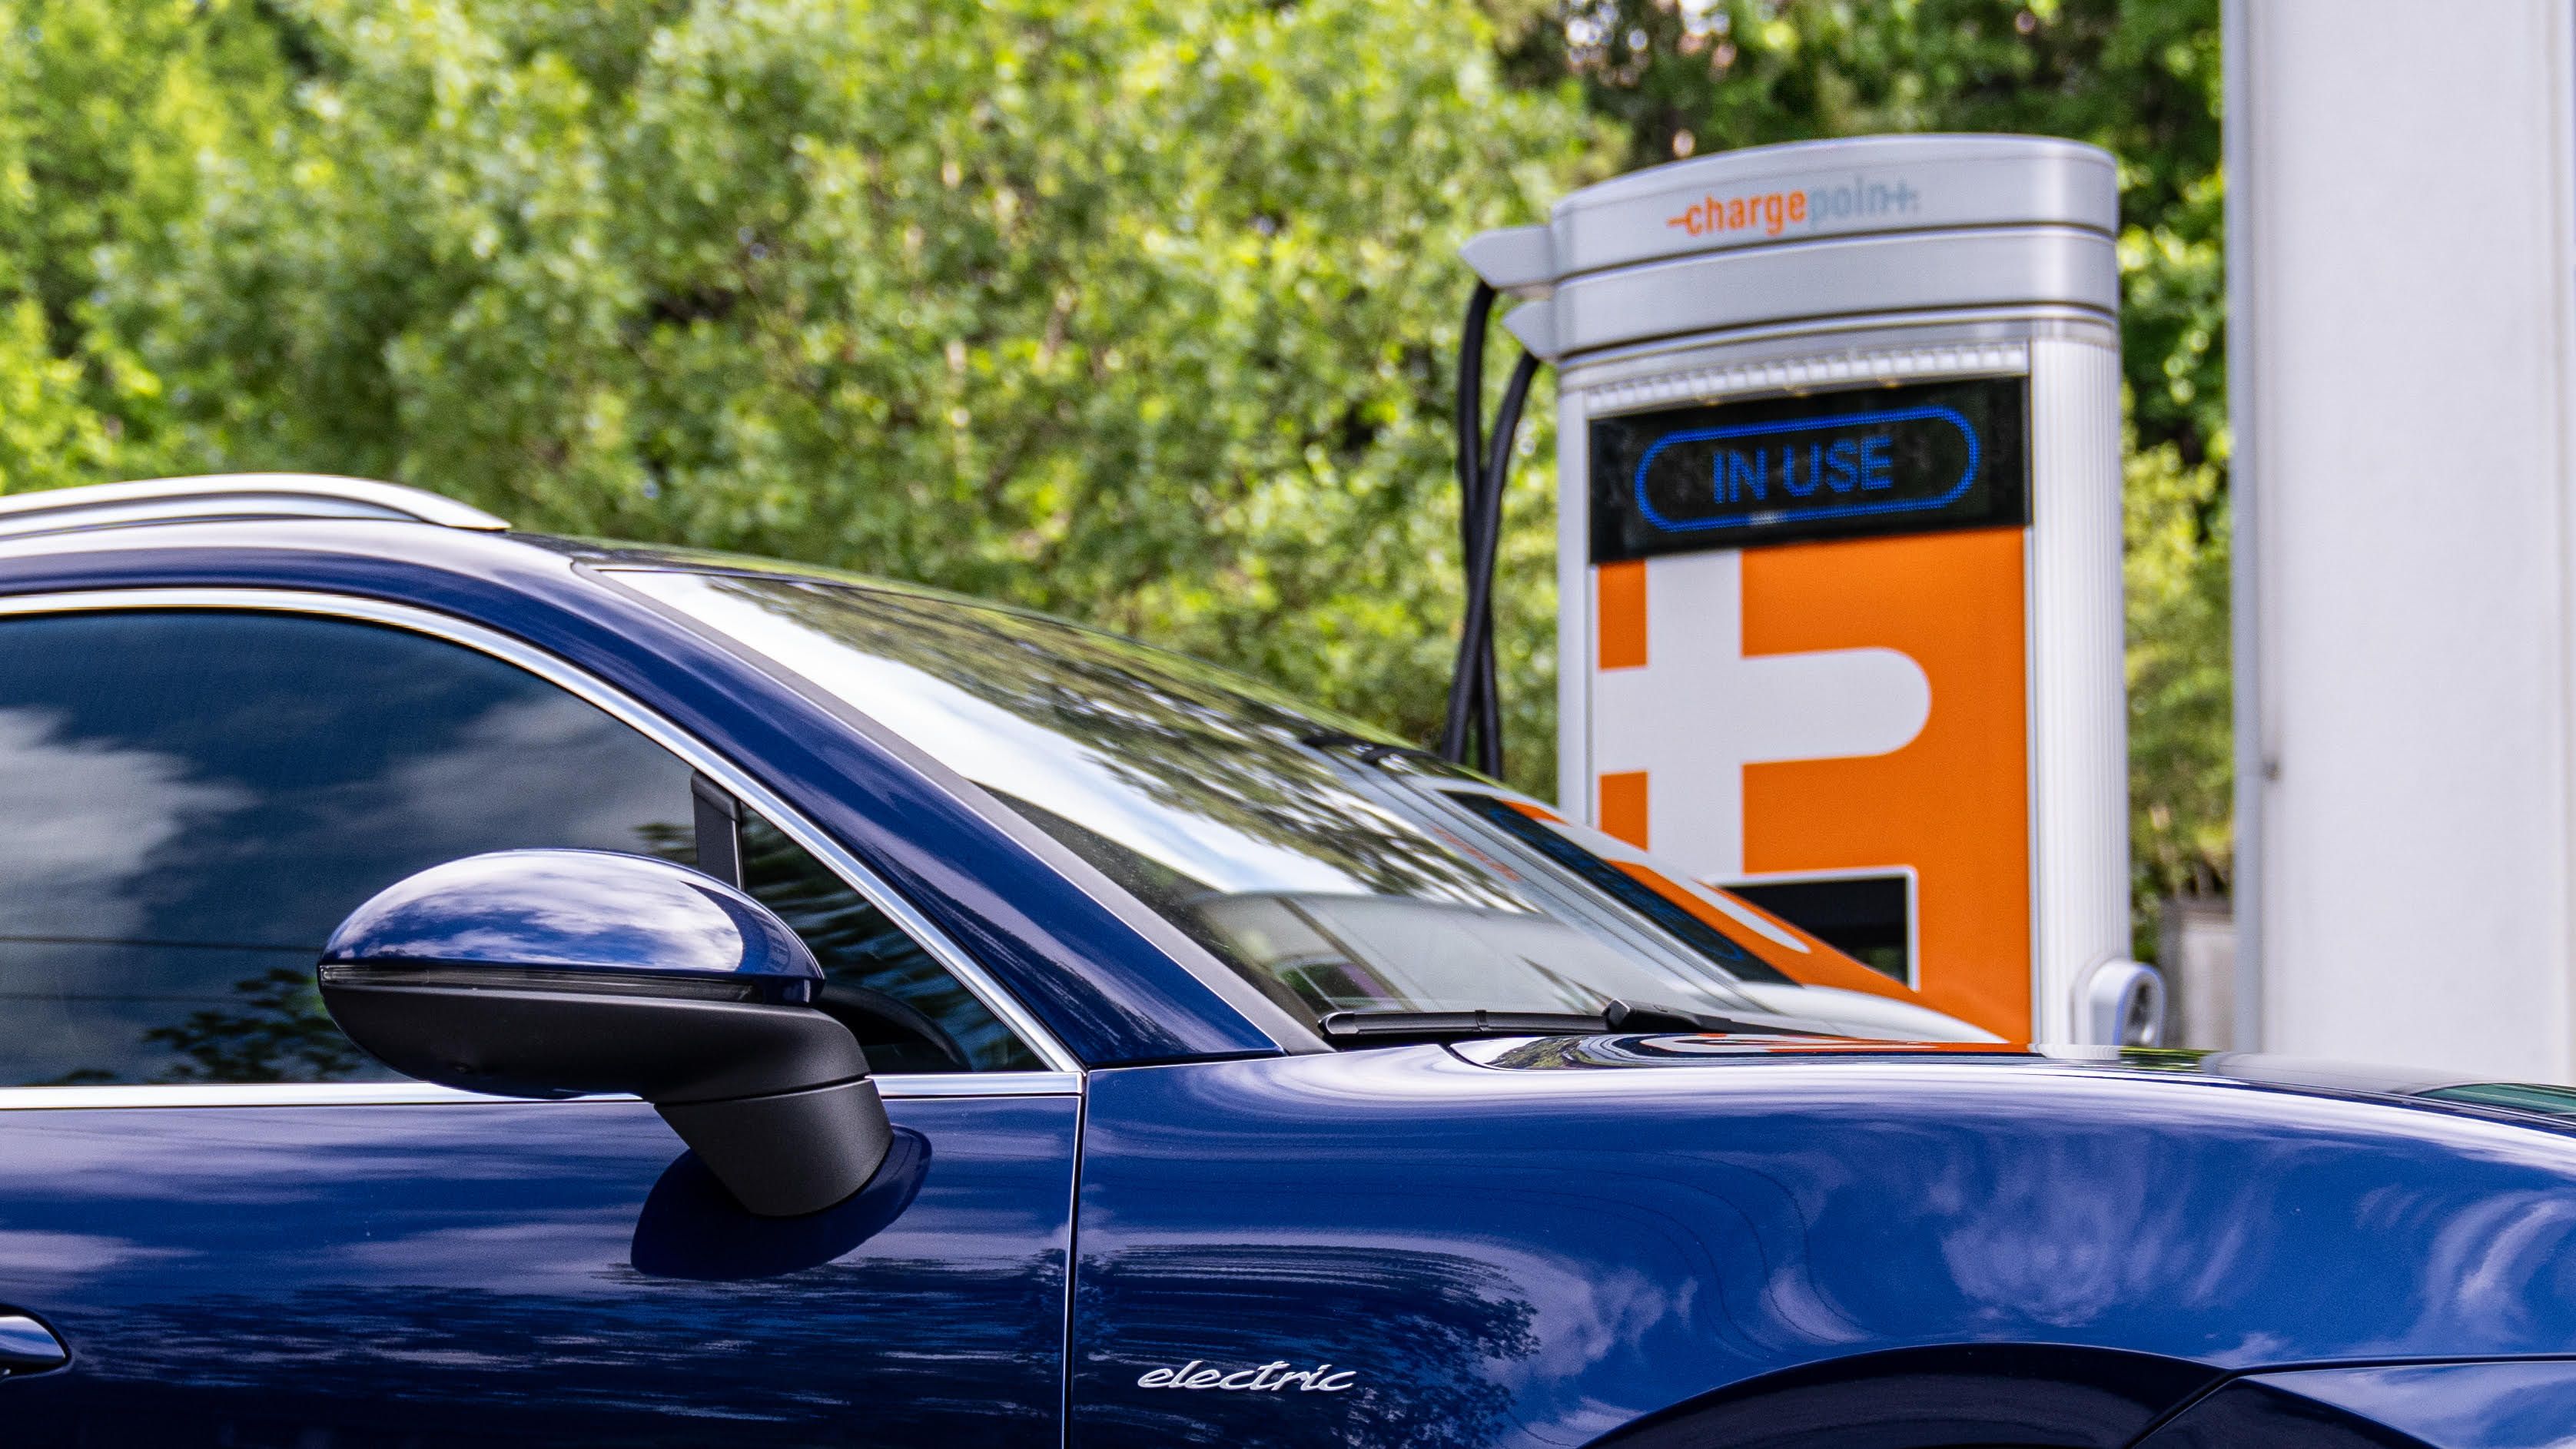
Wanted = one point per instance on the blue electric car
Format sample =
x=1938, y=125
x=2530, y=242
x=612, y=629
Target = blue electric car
x=460, y=987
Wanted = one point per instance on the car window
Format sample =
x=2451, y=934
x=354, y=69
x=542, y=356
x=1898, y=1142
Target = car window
x=195, y=799
x=1334, y=870
x=905, y=1008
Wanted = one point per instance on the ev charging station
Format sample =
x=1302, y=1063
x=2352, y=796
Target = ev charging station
x=1840, y=613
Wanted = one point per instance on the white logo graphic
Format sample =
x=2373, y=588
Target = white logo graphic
x=1701, y=710
x=1270, y=1378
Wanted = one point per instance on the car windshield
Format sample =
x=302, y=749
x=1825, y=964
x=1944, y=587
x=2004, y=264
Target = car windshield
x=1339, y=871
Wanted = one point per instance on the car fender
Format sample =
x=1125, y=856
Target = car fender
x=1533, y=1257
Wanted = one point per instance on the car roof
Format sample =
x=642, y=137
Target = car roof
x=260, y=510
x=234, y=496
x=274, y=498
x=1104, y=991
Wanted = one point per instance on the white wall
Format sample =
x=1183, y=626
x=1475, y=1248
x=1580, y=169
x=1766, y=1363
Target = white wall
x=2399, y=214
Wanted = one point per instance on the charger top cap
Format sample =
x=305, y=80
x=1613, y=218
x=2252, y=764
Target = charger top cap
x=1816, y=229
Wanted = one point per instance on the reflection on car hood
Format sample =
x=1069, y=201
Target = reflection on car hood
x=2449, y=1090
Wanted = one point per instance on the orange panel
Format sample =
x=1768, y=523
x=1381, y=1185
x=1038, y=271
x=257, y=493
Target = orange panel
x=1623, y=806
x=1622, y=614
x=1954, y=804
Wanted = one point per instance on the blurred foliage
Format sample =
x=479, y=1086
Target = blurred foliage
x=2181, y=776
x=1135, y=310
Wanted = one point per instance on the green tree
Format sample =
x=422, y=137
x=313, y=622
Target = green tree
x=107, y=110
x=1139, y=312
x=2181, y=777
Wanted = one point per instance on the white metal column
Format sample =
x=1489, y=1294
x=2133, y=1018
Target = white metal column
x=2400, y=347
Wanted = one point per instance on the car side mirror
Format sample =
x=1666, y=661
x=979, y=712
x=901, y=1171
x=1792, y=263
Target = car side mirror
x=565, y=973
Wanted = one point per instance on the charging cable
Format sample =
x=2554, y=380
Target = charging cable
x=1475, y=699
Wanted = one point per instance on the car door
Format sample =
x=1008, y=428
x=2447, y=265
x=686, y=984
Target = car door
x=243, y=1232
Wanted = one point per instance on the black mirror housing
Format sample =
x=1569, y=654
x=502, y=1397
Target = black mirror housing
x=563, y=973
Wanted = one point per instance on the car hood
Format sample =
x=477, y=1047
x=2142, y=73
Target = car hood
x=2425, y=1087
x=1565, y=1233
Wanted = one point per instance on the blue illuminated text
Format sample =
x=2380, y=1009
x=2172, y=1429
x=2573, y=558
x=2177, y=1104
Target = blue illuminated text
x=1843, y=466
x=1814, y=468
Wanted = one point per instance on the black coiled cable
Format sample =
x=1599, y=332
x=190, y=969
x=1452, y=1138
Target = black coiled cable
x=1475, y=697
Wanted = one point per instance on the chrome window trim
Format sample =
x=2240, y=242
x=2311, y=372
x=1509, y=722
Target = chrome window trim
x=616, y=705
x=894, y=1087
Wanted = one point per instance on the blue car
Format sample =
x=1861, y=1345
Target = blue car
x=471, y=988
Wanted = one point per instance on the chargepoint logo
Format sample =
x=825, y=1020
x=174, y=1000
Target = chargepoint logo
x=1269, y=1378
x=1856, y=199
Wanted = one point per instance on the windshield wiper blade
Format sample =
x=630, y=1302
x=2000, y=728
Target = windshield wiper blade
x=1654, y=1016
x=1637, y=1016
x=1426, y=1024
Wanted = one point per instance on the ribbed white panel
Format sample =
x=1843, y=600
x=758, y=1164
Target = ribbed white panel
x=1850, y=367
x=1840, y=278
x=2079, y=722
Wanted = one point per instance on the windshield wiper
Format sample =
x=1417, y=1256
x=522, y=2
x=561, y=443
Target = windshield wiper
x=1640, y=1016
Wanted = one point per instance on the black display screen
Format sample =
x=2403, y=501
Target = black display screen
x=1907, y=459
